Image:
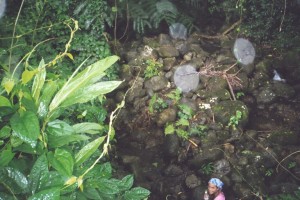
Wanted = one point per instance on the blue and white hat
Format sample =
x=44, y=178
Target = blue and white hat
x=217, y=182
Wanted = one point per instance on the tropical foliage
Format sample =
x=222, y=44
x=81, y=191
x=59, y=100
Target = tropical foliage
x=43, y=157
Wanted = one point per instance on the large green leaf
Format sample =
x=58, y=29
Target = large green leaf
x=6, y=156
x=88, y=150
x=106, y=186
x=39, y=170
x=47, y=93
x=92, y=193
x=126, y=183
x=49, y=194
x=136, y=193
x=62, y=161
x=26, y=127
x=84, y=79
x=13, y=180
x=100, y=171
x=59, y=128
x=4, y=102
x=52, y=179
x=87, y=127
x=90, y=92
x=59, y=141
x=39, y=81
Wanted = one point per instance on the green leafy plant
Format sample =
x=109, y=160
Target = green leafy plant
x=292, y=165
x=199, y=130
x=269, y=172
x=46, y=21
x=180, y=126
x=234, y=120
x=207, y=168
x=45, y=156
x=150, y=15
x=239, y=95
x=152, y=68
x=157, y=104
x=175, y=95
x=185, y=112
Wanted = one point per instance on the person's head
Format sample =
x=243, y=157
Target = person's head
x=215, y=186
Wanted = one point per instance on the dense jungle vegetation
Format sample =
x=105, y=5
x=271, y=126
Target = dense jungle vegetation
x=57, y=64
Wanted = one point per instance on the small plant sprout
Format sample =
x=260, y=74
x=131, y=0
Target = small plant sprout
x=152, y=69
x=207, y=168
x=235, y=119
x=269, y=172
x=292, y=165
x=156, y=104
x=175, y=95
x=239, y=95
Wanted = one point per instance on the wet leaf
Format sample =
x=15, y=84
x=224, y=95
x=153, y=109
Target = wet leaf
x=87, y=127
x=13, y=179
x=126, y=183
x=62, y=161
x=6, y=156
x=80, y=82
x=39, y=169
x=26, y=127
x=136, y=193
x=39, y=81
x=88, y=150
x=106, y=186
x=90, y=92
x=59, y=128
x=49, y=194
x=59, y=141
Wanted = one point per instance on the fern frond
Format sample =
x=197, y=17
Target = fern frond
x=187, y=21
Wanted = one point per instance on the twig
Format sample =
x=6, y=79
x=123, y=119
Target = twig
x=279, y=163
x=14, y=31
x=222, y=34
x=285, y=159
x=280, y=27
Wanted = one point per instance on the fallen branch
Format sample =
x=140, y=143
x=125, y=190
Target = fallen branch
x=222, y=35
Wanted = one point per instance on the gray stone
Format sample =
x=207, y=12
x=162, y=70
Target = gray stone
x=264, y=66
x=182, y=47
x=206, y=156
x=186, y=78
x=167, y=115
x=265, y=95
x=192, y=181
x=171, y=146
x=216, y=83
x=137, y=89
x=164, y=39
x=283, y=90
x=169, y=63
x=221, y=168
x=173, y=170
x=156, y=83
x=224, y=110
x=167, y=51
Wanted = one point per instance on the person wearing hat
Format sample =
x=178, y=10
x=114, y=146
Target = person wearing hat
x=214, y=188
